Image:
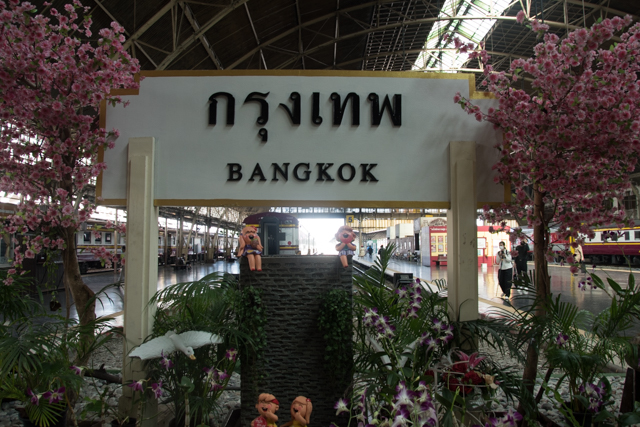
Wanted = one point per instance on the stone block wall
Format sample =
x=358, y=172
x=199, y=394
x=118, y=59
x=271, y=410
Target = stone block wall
x=292, y=287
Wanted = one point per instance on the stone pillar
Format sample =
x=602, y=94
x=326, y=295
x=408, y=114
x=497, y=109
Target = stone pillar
x=292, y=287
x=141, y=267
x=462, y=232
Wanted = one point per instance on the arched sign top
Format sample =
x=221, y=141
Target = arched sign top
x=303, y=138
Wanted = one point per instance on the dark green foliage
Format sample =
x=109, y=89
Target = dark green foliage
x=191, y=306
x=251, y=320
x=45, y=414
x=593, y=340
x=335, y=323
x=15, y=303
x=37, y=350
x=203, y=305
x=383, y=374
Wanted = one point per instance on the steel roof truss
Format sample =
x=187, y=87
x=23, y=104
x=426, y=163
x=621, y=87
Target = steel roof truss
x=191, y=39
x=188, y=13
x=140, y=31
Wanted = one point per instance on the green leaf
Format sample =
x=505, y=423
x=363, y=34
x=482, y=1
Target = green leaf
x=187, y=384
x=392, y=378
x=45, y=414
x=614, y=285
x=629, y=418
x=447, y=420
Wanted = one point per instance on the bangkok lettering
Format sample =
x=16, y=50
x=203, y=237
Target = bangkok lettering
x=323, y=172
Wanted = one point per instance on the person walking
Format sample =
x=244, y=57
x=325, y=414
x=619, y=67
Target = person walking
x=505, y=271
x=380, y=250
x=521, y=259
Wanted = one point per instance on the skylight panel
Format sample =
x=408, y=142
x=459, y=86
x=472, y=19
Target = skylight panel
x=439, y=54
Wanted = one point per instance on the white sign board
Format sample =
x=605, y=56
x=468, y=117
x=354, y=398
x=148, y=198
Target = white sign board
x=303, y=139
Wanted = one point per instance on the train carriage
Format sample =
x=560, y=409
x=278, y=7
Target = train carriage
x=613, y=245
x=278, y=232
x=610, y=245
x=92, y=235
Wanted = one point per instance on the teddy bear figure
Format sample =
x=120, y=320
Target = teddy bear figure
x=267, y=406
x=249, y=245
x=345, y=246
x=300, y=412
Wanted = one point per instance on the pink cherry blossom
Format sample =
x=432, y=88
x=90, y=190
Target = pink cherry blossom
x=53, y=77
x=569, y=143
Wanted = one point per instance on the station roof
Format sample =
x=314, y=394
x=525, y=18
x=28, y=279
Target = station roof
x=372, y=35
x=367, y=35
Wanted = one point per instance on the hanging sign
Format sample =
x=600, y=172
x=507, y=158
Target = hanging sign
x=302, y=139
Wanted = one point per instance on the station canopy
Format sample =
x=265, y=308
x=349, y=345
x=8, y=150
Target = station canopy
x=366, y=35
x=379, y=35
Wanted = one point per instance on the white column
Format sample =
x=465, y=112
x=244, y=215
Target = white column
x=141, y=270
x=462, y=232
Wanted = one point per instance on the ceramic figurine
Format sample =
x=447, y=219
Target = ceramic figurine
x=267, y=406
x=300, y=412
x=345, y=237
x=249, y=245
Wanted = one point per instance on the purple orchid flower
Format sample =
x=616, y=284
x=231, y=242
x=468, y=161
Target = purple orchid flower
x=562, y=339
x=342, y=405
x=54, y=396
x=446, y=339
x=438, y=324
x=33, y=398
x=402, y=416
x=404, y=399
x=232, y=354
x=512, y=417
x=137, y=385
x=165, y=361
x=157, y=389
x=431, y=343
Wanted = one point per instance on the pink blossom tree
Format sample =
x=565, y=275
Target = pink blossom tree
x=570, y=143
x=54, y=77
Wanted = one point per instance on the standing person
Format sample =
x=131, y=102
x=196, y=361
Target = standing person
x=505, y=272
x=521, y=259
x=578, y=256
x=370, y=251
x=380, y=250
x=122, y=260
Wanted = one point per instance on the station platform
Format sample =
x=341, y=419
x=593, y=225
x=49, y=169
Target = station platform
x=563, y=283
x=489, y=293
x=110, y=300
